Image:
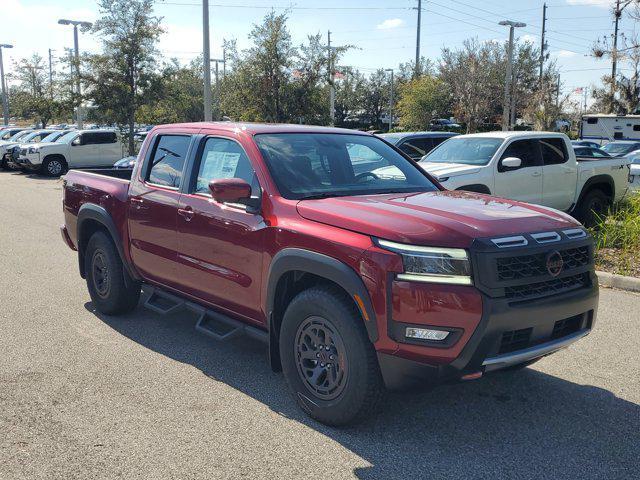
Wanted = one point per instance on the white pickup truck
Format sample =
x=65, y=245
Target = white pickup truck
x=76, y=149
x=534, y=167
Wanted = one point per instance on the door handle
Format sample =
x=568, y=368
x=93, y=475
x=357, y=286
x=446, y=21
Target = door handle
x=137, y=203
x=187, y=213
x=536, y=174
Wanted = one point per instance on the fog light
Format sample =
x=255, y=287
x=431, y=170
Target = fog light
x=426, y=334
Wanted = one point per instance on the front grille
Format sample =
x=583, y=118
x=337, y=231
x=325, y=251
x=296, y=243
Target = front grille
x=515, y=340
x=535, y=265
x=550, y=287
x=567, y=326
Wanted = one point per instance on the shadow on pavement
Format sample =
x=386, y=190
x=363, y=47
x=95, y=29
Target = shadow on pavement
x=524, y=424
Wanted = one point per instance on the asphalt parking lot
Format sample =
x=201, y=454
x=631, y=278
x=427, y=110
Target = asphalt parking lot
x=143, y=396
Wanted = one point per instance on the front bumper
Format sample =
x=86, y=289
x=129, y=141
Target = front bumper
x=30, y=161
x=486, y=350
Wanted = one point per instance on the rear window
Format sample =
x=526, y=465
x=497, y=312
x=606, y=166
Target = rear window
x=167, y=160
x=553, y=151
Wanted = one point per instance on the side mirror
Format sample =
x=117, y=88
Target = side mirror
x=511, y=163
x=230, y=190
x=77, y=141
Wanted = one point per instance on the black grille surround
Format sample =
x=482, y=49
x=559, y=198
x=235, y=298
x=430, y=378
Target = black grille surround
x=520, y=273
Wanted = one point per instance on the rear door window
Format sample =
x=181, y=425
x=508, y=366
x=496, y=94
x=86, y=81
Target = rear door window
x=553, y=151
x=167, y=160
x=417, y=148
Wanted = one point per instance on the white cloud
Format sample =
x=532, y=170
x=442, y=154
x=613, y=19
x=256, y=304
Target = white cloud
x=564, y=53
x=595, y=3
x=529, y=38
x=390, y=23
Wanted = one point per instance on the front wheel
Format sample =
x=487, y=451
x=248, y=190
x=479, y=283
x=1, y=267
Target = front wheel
x=327, y=359
x=53, y=166
x=112, y=290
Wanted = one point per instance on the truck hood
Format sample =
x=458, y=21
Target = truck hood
x=443, y=218
x=441, y=170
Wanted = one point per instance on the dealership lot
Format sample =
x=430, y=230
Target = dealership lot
x=143, y=396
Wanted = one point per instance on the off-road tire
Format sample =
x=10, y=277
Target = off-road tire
x=363, y=387
x=112, y=290
x=592, y=206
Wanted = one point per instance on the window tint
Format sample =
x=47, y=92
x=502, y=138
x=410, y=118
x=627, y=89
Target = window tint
x=582, y=152
x=636, y=128
x=525, y=150
x=592, y=120
x=417, y=148
x=97, y=138
x=167, y=160
x=553, y=151
x=222, y=158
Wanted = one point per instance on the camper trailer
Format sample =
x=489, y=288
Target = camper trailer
x=606, y=128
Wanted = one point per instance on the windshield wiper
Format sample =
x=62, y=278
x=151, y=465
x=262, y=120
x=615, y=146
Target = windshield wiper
x=316, y=196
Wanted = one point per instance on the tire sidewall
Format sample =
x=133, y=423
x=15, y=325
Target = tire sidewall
x=49, y=161
x=589, y=216
x=317, y=303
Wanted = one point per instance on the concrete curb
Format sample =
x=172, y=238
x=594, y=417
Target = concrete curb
x=630, y=284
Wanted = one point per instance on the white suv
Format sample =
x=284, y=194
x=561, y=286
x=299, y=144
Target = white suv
x=76, y=149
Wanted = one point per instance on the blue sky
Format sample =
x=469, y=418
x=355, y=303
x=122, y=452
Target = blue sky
x=383, y=30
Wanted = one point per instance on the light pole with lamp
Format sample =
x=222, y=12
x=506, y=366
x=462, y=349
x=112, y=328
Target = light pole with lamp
x=76, y=23
x=5, y=94
x=508, y=80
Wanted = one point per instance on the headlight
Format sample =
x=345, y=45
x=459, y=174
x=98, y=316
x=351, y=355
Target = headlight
x=431, y=264
x=32, y=150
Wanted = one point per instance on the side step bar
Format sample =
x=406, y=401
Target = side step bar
x=210, y=322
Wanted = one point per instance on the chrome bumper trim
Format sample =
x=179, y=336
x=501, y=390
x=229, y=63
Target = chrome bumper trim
x=521, y=356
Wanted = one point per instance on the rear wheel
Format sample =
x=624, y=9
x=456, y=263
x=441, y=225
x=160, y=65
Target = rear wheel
x=327, y=358
x=54, y=166
x=111, y=288
x=594, y=205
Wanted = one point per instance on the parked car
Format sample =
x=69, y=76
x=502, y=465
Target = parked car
x=620, y=148
x=634, y=170
x=534, y=167
x=33, y=145
x=10, y=141
x=355, y=282
x=7, y=132
x=34, y=136
x=76, y=149
x=590, y=152
x=585, y=143
x=443, y=124
x=417, y=144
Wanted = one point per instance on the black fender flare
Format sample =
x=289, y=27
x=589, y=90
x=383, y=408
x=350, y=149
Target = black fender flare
x=298, y=259
x=91, y=211
x=596, y=179
x=476, y=187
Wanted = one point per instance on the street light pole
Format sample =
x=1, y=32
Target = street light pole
x=390, y=70
x=508, y=80
x=76, y=48
x=218, y=98
x=207, y=60
x=5, y=94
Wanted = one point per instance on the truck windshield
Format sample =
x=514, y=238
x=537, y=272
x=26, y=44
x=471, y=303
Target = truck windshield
x=317, y=165
x=469, y=151
x=619, y=149
x=67, y=138
x=53, y=137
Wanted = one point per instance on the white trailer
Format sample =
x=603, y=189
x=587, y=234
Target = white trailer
x=607, y=128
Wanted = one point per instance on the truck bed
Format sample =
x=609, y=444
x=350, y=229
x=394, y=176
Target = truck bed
x=104, y=188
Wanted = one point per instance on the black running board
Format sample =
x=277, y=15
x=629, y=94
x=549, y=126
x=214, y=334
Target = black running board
x=210, y=322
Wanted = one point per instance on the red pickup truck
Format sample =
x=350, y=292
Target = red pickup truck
x=357, y=279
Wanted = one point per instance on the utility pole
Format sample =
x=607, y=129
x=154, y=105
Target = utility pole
x=416, y=72
x=217, y=99
x=390, y=70
x=5, y=93
x=543, y=46
x=558, y=93
x=506, y=108
x=332, y=89
x=207, y=60
x=76, y=49
x=585, y=99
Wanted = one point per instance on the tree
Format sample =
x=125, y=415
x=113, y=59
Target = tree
x=421, y=100
x=376, y=97
x=118, y=76
x=34, y=97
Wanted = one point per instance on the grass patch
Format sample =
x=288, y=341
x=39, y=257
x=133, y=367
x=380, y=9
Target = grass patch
x=617, y=237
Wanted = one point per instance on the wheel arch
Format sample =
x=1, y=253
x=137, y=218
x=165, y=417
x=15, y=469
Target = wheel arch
x=293, y=270
x=603, y=182
x=93, y=218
